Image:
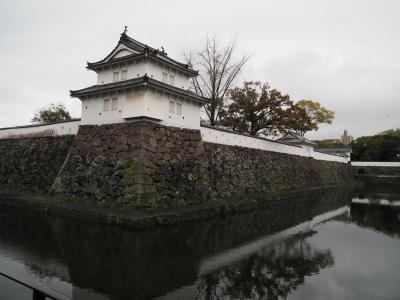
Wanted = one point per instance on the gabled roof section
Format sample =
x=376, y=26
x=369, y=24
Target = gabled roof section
x=133, y=44
x=139, y=82
x=295, y=139
x=139, y=51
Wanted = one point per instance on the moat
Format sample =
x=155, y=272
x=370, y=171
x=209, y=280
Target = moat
x=340, y=244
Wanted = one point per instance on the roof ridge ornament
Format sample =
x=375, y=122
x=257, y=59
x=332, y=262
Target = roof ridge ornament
x=125, y=30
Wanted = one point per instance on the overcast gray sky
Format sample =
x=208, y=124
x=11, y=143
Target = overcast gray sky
x=343, y=53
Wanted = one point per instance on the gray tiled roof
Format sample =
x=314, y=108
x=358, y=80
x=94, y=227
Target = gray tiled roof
x=142, y=51
x=143, y=81
x=295, y=139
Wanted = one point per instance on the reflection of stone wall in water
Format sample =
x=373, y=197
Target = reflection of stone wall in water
x=382, y=218
x=31, y=164
x=118, y=262
x=146, y=164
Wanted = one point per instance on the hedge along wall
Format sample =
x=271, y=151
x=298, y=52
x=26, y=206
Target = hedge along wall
x=146, y=164
x=32, y=164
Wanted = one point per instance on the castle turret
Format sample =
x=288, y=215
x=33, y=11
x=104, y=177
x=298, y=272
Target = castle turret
x=136, y=81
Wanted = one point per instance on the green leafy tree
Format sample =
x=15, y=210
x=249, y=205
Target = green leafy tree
x=50, y=114
x=392, y=132
x=297, y=120
x=380, y=147
x=330, y=144
x=316, y=115
x=256, y=108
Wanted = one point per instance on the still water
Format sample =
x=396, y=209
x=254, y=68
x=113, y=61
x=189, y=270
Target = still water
x=341, y=244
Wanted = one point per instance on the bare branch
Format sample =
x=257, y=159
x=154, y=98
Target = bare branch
x=218, y=69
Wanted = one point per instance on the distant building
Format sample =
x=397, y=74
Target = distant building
x=136, y=81
x=345, y=139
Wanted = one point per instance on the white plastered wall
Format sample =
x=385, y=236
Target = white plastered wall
x=93, y=110
x=139, y=69
x=141, y=103
x=189, y=117
x=232, y=139
x=65, y=128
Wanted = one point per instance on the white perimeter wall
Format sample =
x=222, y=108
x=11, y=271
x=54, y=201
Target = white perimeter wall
x=227, y=138
x=64, y=128
x=374, y=164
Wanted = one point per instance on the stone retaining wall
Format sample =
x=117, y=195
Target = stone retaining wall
x=146, y=164
x=244, y=170
x=137, y=163
x=32, y=164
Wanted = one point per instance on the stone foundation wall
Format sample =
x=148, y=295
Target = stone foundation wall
x=243, y=170
x=146, y=164
x=32, y=164
x=136, y=163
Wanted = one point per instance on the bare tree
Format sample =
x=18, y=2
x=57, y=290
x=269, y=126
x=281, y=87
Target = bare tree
x=218, y=68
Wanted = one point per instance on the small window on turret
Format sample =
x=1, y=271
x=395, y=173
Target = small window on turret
x=171, y=79
x=171, y=107
x=106, y=105
x=178, y=108
x=116, y=76
x=124, y=74
x=114, y=104
x=164, y=77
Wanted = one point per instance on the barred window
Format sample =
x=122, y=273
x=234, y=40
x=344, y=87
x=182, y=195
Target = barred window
x=164, y=77
x=114, y=104
x=116, y=76
x=171, y=107
x=178, y=108
x=106, y=105
x=124, y=74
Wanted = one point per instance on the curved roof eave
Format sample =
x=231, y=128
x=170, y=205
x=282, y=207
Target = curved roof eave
x=137, y=46
x=135, y=83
